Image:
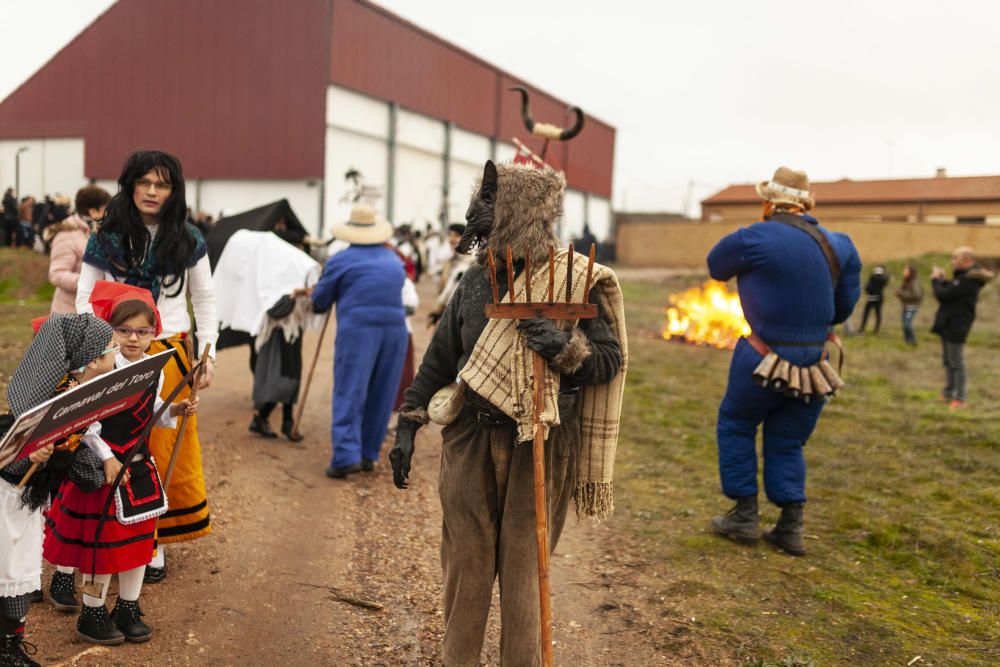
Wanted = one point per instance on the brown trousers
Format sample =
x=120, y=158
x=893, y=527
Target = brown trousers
x=488, y=501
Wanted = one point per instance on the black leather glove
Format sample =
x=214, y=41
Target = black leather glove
x=544, y=337
x=402, y=451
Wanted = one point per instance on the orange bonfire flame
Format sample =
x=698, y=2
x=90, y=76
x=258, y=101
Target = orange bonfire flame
x=706, y=315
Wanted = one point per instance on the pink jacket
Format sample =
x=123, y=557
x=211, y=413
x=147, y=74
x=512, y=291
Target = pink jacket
x=68, y=244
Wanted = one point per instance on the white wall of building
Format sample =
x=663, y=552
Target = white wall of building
x=229, y=197
x=357, y=135
x=469, y=152
x=49, y=166
x=599, y=217
x=419, y=179
x=360, y=135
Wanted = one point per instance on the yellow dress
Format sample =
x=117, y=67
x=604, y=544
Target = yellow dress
x=187, y=517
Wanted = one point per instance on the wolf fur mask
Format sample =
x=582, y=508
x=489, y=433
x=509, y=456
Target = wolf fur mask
x=514, y=204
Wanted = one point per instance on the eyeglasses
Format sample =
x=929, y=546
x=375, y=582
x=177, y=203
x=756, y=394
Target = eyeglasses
x=159, y=186
x=116, y=348
x=141, y=332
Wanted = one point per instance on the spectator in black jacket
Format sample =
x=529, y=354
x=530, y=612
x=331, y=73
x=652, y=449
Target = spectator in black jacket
x=9, y=217
x=955, y=315
x=874, y=289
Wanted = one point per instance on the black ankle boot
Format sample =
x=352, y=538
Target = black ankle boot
x=15, y=652
x=260, y=426
x=62, y=592
x=127, y=616
x=154, y=575
x=740, y=523
x=96, y=627
x=787, y=533
x=286, y=430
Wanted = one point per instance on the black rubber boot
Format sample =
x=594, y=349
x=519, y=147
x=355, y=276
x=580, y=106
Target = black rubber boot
x=15, y=652
x=128, y=617
x=260, y=426
x=741, y=522
x=286, y=430
x=95, y=626
x=343, y=471
x=62, y=592
x=154, y=575
x=787, y=533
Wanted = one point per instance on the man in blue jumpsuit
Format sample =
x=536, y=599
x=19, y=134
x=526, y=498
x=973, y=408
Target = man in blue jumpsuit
x=791, y=302
x=365, y=280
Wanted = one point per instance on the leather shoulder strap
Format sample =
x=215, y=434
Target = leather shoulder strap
x=818, y=236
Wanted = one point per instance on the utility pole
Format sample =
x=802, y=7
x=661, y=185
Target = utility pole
x=17, y=172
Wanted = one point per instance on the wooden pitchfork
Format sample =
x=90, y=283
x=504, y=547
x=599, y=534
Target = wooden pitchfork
x=549, y=310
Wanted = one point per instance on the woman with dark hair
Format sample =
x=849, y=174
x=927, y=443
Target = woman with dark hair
x=146, y=241
x=910, y=293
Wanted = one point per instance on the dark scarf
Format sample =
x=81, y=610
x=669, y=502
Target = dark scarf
x=105, y=251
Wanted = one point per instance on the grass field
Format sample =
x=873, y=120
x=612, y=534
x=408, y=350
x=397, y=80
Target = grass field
x=25, y=292
x=903, y=519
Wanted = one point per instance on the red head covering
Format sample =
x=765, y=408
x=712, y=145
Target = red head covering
x=37, y=322
x=107, y=295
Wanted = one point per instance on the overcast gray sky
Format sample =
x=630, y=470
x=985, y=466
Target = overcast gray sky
x=710, y=92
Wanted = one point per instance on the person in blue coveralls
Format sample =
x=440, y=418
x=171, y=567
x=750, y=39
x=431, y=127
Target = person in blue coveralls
x=791, y=297
x=365, y=280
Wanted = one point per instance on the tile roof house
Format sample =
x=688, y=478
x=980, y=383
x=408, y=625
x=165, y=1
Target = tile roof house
x=941, y=199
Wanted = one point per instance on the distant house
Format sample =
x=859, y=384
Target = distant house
x=941, y=199
x=887, y=219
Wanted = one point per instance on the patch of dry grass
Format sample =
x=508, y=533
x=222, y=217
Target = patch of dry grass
x=903, y=522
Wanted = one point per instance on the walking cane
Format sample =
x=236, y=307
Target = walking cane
x=549, y=310
x=305, y=389
x=184, y=420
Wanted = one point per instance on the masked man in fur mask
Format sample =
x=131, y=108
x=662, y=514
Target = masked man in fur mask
x=486, y=483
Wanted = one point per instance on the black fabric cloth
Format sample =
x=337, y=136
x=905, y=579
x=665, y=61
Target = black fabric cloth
x=14, y=607
x=957, y=304
x=464, y=320
x=277, y=368
x=872, y=307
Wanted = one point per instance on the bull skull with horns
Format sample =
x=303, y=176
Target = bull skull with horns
x=546, y=130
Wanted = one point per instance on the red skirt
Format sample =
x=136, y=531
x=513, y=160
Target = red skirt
x=70, y=525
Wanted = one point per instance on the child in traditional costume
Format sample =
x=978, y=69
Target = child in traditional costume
x=125, y=544
x=68, y=350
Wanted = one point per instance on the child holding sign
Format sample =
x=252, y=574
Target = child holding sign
x=67, y=350
x=126, y=541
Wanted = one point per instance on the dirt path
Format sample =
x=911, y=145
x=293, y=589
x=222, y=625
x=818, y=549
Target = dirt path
x=268, y=587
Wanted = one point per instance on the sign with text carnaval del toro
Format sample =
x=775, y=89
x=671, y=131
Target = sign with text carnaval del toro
x=79, y=407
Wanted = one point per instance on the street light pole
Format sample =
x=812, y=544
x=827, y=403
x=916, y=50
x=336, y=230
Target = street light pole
x=17, y=172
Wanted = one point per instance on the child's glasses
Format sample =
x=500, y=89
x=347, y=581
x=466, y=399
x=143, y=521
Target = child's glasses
x=141, y=332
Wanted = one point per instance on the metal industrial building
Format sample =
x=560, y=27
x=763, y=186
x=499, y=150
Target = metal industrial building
x=265, y=99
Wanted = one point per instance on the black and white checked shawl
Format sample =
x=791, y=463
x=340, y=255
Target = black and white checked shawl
x=64, y=342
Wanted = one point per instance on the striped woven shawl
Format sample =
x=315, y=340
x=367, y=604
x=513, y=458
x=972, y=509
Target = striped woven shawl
x=500, y=370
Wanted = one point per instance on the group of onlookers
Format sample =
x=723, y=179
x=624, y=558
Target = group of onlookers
x=953, y=320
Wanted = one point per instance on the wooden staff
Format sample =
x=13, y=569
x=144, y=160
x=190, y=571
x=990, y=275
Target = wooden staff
x=195, y=381
x=312, y=367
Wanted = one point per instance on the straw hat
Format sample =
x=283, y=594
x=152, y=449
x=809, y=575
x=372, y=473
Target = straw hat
x=787, y=186
x=363, y=228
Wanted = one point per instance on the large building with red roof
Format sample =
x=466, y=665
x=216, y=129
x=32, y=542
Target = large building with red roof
x=263, y=99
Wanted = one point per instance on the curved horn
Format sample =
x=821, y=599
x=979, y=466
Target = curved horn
x=529, y=122
x=566, y=135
